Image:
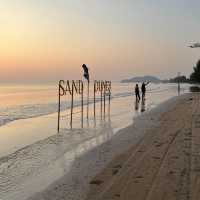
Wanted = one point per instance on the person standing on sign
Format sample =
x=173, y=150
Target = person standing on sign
x=86, y=72
x=87, y=76
x=143, y=89
x=137, y=92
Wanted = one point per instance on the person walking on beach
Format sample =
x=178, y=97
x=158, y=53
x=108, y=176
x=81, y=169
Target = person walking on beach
x=143, y=89
x=137, y=92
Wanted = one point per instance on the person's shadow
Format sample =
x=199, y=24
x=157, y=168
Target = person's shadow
x=143, y=105
x=136, y=105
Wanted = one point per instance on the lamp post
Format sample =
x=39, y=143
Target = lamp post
x=179, y=73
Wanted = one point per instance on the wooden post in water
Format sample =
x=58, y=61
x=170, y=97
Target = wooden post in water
x=81, y=104
x=72, y=106
x=88, y=100
x=109, y=98
x=94, y=99
x=104, y=99
x=58, y=127
x=101, y=98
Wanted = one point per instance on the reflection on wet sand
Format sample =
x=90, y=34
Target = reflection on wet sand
x=142, y=106
x=136, y=105
x=50, y=159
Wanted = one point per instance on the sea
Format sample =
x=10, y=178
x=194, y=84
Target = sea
x=28, y=101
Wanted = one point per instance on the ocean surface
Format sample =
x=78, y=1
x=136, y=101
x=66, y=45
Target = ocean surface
x=33, y=155
x=28, y=113
x=27, y=101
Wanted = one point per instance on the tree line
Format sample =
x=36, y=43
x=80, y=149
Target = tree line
x=194, y=76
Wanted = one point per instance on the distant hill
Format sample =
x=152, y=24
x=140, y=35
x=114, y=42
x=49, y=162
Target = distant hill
x=152, y=79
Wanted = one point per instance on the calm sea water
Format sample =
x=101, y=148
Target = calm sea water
x=26, y=101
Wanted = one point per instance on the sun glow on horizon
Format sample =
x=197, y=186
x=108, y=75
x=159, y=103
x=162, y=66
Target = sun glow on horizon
x=45, y=40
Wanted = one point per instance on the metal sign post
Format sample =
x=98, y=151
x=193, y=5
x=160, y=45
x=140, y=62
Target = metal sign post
x=95, y=82
x=107, y=92
x=88, y=94
x=108, y=88
x=70, y=87
x=81, y=83
x=72, y=105
x=104, y=87
x=104, y=102
x=101, y=97
x=97, y=88
x=77, y=87
x=59, y=95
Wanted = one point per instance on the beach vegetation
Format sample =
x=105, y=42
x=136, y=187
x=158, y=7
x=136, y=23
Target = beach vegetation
x=195, y=76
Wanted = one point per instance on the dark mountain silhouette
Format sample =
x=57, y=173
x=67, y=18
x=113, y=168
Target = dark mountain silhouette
x=151, y=79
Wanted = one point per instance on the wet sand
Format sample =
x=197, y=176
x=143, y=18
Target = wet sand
x=62, y=166
x=164, y=164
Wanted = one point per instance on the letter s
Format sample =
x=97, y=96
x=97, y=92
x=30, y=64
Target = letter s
x=61, y=88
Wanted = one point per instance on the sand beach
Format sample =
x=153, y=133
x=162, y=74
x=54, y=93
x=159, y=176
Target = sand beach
x=157, y=157
x=164, y=164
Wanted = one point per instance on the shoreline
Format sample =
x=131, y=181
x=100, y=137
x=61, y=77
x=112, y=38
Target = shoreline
x=75, y=184
x=161, y=165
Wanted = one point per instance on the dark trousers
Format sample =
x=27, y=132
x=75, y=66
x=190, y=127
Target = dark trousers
x=143, y=95
x=137, y=95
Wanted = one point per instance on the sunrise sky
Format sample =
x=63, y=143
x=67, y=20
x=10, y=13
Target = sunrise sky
x=48, y=40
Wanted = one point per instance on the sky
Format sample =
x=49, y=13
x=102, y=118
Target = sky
x=48, y=40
